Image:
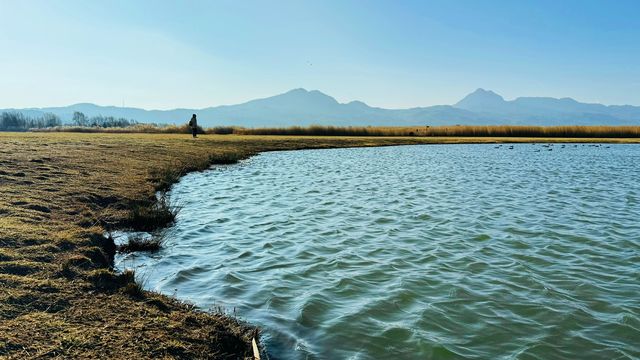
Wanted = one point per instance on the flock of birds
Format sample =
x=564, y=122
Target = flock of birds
x=549, y=147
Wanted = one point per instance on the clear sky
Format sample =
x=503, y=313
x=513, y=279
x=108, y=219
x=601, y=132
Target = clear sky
x=396, y=54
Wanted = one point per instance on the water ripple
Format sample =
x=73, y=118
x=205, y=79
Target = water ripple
x=428, y=252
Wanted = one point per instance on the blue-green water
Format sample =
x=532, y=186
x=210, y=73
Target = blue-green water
x=417, y=252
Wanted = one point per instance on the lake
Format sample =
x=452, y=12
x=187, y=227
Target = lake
x=416, y=252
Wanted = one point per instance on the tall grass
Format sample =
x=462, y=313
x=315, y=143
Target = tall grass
x=458, y=130
x=136, y=243
x=316, y=130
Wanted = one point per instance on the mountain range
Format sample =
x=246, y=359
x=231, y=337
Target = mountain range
x=302, y=107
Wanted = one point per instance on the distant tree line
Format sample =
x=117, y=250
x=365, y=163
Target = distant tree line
x=15, y=121
x=80, y=119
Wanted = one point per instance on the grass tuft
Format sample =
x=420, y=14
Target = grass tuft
x=150, y=216
x=130, y=286
x=107, y=280
x=142, y=243
x=74, y=262
x=134, y=290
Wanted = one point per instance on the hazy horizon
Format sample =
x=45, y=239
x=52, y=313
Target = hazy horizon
x=167, y=55
x=309, y=90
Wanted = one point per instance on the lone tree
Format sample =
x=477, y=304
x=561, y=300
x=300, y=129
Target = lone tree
x=79, y=119
x=49, y=120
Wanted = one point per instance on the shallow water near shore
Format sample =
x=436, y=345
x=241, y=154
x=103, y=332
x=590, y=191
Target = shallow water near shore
x=416, y=252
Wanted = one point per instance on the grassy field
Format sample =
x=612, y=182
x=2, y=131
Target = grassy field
x=60, y=192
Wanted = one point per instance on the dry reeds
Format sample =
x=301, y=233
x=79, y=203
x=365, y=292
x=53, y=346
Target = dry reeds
x=458, y=130
x=317, y=130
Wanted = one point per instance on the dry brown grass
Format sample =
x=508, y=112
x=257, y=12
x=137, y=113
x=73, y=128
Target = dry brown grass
x=458, y=131
x=143, y=243
x=426, y=131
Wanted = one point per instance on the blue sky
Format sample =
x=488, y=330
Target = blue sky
x=396, y=54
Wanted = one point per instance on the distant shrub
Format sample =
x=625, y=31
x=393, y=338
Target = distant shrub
x=221, y=130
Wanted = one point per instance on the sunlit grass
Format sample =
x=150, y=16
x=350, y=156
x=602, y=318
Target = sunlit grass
x=378, y=131
x=460, y=130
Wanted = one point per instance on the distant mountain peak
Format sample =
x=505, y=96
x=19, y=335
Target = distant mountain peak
x=481, y=93
x=307, y=96
x=303, y=91
x=84, y=104
x=305, y=107
x=297, y=91
x=480, y=99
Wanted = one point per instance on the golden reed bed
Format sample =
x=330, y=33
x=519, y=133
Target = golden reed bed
x=439, y=131
x=462, y=130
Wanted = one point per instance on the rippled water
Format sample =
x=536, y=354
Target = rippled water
x=441, y=251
